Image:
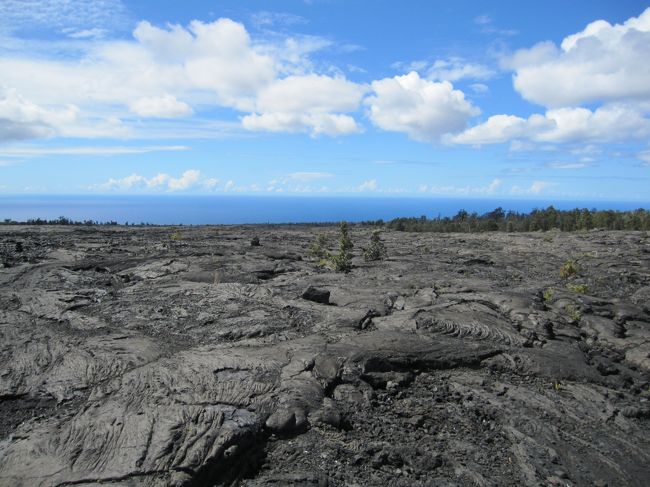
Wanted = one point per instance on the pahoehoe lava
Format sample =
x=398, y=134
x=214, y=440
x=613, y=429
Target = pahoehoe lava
x=129, y=358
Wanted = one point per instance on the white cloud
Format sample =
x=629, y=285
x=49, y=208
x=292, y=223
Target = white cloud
x=494, y=185
x=217, y=56
x=479, y=88
x=190, y=179
x=29, y=151
x=317, y=124
x=187, y=180
x=536, y=187
x=310, y=93
x=569, y=165
x=61, y=14
x=609, y=123
x=156, y=181
x=123, y=183
x=603, y=62
x=369, y=185
x=95, y=33
x=450, y=69
x=307, y=103
x=455, y=68
x=166, y=106
x=491, y=188
x=230, y=185
x=296, y=182
x=205, y=65
x=423, y=109
x=21, y=119
x=210, y=183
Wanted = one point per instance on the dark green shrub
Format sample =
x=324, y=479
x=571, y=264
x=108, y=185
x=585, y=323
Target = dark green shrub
x=343, y=260
x=318, y=248
x=568, y=269
x=377, y=249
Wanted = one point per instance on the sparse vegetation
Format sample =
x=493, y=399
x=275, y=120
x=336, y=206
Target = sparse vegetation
x=318, y=248
x=573, y=313
x=547, y=295
x=577, y=288
x=342, y=261
x=568, y=269
x=255, y=242
x=177, y=236
x=376, y=250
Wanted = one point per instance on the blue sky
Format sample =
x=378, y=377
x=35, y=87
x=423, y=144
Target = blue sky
x=505, y=99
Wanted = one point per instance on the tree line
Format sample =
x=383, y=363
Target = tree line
x=538, y=219
x=497, y=220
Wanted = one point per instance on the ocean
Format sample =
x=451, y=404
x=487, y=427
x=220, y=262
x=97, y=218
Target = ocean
x=227, y=209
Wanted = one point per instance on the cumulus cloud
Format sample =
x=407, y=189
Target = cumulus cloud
x=423, y=109
x=609, y=123
x=451, y=69
x=369, y=185
x=307, y=103
x=604, y=62
x=21, y=119
x=206, y=64
x=190, y=179
x=166, y=106
x=217, y=56
x=316, y=124
x=311, y=93
x=187, y=180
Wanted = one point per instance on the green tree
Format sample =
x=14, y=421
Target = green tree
x=377, y=249
x=343, y=260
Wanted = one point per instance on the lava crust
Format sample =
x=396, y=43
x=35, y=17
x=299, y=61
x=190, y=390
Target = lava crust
x=128, y=357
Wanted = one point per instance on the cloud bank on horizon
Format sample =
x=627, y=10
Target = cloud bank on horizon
x=74, y=76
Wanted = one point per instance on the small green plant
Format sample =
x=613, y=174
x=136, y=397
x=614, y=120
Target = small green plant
x=573, y=313
x=557, y=386
x=318, y=248
x=426, y=249
x=547, y=295
x=342, y=261
x=577, y=288
x=177, y=236
x=568, y=269
x=377, y=249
